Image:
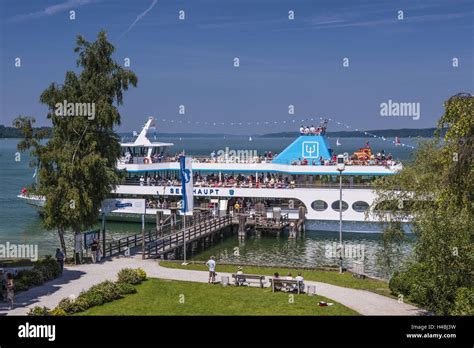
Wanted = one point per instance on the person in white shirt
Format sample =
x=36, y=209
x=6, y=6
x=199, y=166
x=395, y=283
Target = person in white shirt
x=211, y=264
x=300, y=279
x=142, y=181
x=312, y=130
x=240, y=280
x=306, y=131
x=302, y=130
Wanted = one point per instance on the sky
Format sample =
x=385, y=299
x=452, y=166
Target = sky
x=283, y=62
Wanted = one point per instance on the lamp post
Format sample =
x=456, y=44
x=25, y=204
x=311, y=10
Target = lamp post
x=340, y=167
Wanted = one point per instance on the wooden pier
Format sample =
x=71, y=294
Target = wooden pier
x=198, y=231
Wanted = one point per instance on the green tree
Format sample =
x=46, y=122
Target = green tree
x=435, y=191
x=77, y=163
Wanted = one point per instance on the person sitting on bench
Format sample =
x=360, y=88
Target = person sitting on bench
x=276, y=275
x=300, y=280
x=240, y=280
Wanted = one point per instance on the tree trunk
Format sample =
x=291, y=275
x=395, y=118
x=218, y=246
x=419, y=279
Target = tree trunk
x=62, y=241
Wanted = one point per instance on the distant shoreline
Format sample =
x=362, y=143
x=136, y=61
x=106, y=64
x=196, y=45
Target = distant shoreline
x=11, y=132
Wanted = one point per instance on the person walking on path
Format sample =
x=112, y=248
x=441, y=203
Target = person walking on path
x=94, y=248
x=60, y=259
x=10, y=289
x=211, y=264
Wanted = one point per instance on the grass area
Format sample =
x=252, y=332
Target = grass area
x=330, y=277
x=165, y=297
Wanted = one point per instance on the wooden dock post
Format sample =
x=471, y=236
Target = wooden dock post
x=242, y=222
x=301, y=218
x=159, y=221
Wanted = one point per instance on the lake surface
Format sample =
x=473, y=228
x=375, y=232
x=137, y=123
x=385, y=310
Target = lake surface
x=21, y=224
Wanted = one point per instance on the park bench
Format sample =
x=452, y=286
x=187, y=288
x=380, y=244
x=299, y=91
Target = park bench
x=283, y=284
x=245, y=278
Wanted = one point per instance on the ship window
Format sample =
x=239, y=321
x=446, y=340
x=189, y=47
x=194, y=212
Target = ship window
x=335, y=205
x=319, y=205
x=360, y=206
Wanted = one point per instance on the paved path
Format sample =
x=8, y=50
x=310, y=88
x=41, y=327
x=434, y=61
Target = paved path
x=78, y=278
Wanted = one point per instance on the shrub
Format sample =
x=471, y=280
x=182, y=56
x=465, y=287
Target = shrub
x=57, y=312
x=38, y=311
x=464, y=302
x=126, y=288
x=79, y=305
x=48, y=267
x=141, y=274
x=21, y=285
x=31, y=277
x=107, y=290
x=65, y=305
x=129, y=275
x=93, y=298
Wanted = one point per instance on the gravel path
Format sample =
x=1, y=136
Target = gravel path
x=81, y=277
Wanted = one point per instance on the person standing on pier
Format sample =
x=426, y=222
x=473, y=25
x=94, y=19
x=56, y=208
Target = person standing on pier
x=211, y=264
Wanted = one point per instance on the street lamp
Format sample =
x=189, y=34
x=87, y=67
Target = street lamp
x=340, y=167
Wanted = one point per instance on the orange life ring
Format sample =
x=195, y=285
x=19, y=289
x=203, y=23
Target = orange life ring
x=146, y=160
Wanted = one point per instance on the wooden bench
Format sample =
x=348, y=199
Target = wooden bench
x=285, y=284
x=244, y=278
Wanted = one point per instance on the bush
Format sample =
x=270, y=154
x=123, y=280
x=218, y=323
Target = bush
x=141, y=274
x=93, y=298
x=42, y=271
x=79, y=305
x=48, y=267
x=107, y=290
x=129, y=275
x=57, y=312
x=65, y=305
x=38, y=311
x=31, y=277
x=464, y=302
x=126, y=288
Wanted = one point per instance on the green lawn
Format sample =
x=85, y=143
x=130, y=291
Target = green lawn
x=330, y=277
x=165, y=297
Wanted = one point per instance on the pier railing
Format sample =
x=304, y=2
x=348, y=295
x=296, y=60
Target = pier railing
x=198, y=230
x=120, y=245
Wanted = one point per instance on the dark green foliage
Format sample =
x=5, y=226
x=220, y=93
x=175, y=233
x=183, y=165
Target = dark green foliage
x=107, y=290
x=439, y=184
x=126, y=288
x=77, y=163
x=43, y=270
x=129, y=275
x=38, y=311
x=464, y=302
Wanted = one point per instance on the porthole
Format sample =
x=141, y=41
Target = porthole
x=335, y=206
x=360, y=206
x=319, y=205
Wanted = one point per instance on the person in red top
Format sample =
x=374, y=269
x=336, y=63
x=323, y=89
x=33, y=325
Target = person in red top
x=304, y=162
x=334, y=158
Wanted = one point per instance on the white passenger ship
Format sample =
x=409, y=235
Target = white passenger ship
x=303, y=174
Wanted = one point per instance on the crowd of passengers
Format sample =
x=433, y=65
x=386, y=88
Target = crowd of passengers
x=268, y=180
x=378, y=159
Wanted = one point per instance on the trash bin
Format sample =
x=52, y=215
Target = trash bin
x=311, y=290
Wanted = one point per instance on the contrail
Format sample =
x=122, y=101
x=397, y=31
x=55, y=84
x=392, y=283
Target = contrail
x=140, y=16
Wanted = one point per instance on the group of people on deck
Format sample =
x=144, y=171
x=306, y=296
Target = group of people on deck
x=305, y=130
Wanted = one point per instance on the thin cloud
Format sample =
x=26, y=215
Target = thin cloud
x=140, y=16
x=52, y=10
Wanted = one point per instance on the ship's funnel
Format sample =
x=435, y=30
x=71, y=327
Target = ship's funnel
x=306, y=146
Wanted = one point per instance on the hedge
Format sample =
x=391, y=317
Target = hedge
x=97, y=295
